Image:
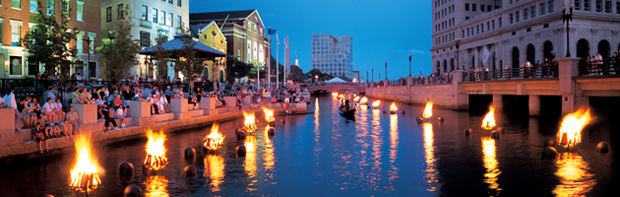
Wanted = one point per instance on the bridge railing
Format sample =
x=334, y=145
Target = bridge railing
x=611, y=67
x=534, y=72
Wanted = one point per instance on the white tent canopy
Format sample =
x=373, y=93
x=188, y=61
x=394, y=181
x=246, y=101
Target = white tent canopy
x=335, y=80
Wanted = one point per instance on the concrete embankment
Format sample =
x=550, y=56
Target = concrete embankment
x=442, y=95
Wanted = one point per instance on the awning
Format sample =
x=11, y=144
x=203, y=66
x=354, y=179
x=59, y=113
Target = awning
x=335, y=80
x=176, y=45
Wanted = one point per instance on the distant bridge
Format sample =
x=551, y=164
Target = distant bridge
x=337, y=88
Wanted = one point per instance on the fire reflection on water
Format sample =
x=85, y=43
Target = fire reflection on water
x=268, y=155
x=156, y=186
x=575, y=180
x=214, y=171
x=393, y=172
x=429, y=156
x=490, y=163
x=249, y=163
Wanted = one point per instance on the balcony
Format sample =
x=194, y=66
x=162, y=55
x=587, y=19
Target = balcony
x=145, y=23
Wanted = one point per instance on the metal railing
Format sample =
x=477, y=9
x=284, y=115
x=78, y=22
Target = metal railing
x=535, y=72
x=601, y=68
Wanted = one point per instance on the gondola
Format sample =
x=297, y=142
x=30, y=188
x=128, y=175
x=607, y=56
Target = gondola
x=348, y=114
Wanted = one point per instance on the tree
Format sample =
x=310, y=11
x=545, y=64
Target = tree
x=188, y=63
x=280, y=70
x=120, y=53
x=48, y=42
x=297, y=74
x=254, y=66
x=161, y=56
x=236, y=69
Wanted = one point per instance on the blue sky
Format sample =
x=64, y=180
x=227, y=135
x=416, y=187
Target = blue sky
x=384, y=30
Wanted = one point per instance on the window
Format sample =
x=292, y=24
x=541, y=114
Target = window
x=473, y=7
x=488, y=26
x=477, y=29
x=80, y=11
x=50, y=7
x=170, y=19
x=108, y=14
x=65, y=9
x=618, y=7
x=493, y=24
x=511, y=18
x=488, y=8
x=577, y=4
x=607, y=6
x=550, y=6
x=80, y=43
x=33, y=6
x=482, y=7
x=510, y=1
x=586, y=5
x=526, y=14
x=462, y=33
x=91, y=46
x=482, y=25
x=145, y=12
x=179, y=21
x=467, y=7
x=170, y=1
x=179, y=3
x=163, y=17
x=155, y=15
x=517, y=16
x=145, y=39
x=533, y=11
x=599, y=6
x=500, y=22
x=542, y=8
x=15, y=32
x=16, y=4
x=121, y=11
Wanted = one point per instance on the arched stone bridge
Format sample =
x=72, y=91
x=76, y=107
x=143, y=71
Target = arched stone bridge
x=337, y=87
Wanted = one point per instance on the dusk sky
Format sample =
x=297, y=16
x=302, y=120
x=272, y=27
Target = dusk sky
x=386, y=30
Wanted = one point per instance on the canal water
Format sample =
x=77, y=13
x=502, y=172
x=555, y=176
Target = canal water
x=322, y=154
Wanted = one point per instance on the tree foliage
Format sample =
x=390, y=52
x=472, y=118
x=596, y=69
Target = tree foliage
x=48, y=42
x=120, y=54
x=321, y=75
x=296, y=74
x=237, y=69
x=188, y=62
x=161, y=56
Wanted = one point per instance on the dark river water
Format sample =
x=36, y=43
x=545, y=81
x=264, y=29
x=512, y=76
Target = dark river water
x=322, y=154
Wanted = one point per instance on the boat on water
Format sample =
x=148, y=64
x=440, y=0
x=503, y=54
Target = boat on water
x=348, y=114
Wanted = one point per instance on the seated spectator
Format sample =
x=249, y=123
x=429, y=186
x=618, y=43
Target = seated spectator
x=192, y=100
x=138, y=96
x=73, y=119
x=38, y=135
x=48, y=111
x=48, y=131
x=105, y=112
x=67, y=128
x=57, y=131
x=28, y=116
x=120, y=114
x=164, y=103
x=58, y=110
x=10, y=101
x=76, y=97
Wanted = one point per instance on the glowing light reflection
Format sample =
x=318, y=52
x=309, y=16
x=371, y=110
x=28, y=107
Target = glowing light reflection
x=490, y=163
x=429, y=156
x=393, y=172
x=214, y=171
x=156, y=186
x=575, y=180
x=249, y=163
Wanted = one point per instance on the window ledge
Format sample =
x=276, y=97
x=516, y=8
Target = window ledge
x=80, y=20
x=16, y=8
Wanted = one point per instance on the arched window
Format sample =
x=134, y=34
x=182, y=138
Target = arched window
x=438, y=66
x=473, y=62
x=548, y=50
x=604, y=49
x=531, y=54
x=452, y=64
x=515, y=57
x=206, y=74
x=445, y=65
x=583, y=49
x=221, y=76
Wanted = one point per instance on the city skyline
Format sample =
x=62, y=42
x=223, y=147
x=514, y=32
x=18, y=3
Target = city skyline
x=373, y=45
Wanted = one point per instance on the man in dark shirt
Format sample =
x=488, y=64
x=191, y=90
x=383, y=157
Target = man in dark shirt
x=39, y=137
x=105, y=112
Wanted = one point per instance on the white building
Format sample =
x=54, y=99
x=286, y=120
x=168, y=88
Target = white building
x=515, y=31
x=333, y=54
x=151, y=18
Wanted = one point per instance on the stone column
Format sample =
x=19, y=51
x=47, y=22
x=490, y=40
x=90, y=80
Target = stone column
x=461, y=101
x=567, y=70
x=8, y=135
x=498, y=102
x=534, y=105
x=139, y=109
x=179, y=108
x=86, y=112
x=409, y=84
x=208, y=105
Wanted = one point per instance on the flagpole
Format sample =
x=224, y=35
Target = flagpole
x=277, y=63
x=269, y=61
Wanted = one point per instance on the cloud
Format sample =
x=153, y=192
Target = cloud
x=415, y=51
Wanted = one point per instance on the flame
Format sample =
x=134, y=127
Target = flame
x=575, y=180
x=376, y=103
x=428, y=111
x=341, y=96
x=334, y=94
x=214, y=140
x=393, y=107
x=156, y=186
x=269, y=115
x=214, y=171
x=488, y=122
x=85, y=174
x=155, y=151
x=429, y=155
x=250, y=122
x=356, y=99
x=364, y=100
x=572, y=124
x=490, y=163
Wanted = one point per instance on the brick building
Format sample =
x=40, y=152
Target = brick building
x=211, y=35
x=15, y=23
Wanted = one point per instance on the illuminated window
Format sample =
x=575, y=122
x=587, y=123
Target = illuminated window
x=145, y=12
x=65, y=9
x=170, y=19
x=121, y=11
x=80, y=43
x=163, y=17
x=80, y=11
x=155, y=11
x=33, y=6
x=50, y=7
x=15, y=32
x=16, y=4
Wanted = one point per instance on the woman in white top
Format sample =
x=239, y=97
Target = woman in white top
x=164, y=103
x=120, y=114
x=48, y=111
x=58, y=110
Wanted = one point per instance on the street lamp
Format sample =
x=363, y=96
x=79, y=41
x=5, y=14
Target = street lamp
x=566, y=18
x=88, y=41
x=372, y=71
x=366, y=75
x=410, y=64
x=458, y=44
x=386, y=70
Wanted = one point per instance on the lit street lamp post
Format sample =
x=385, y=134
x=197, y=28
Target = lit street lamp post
x=366, y=75
x=386, y=70
x=372, y=71
x=566, y=18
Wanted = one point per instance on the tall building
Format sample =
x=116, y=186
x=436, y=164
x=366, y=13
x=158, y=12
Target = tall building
x=333, y=54
x=151, y=19
x=244, y=31
x=516, y=31
x=15, y=23
x=212, y=36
